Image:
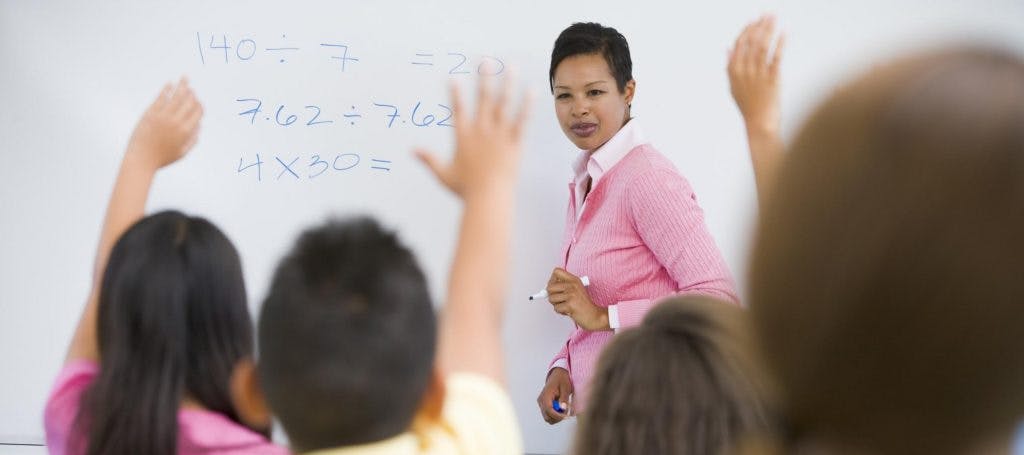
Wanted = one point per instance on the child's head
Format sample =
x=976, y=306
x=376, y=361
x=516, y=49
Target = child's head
x=681, y=382
x=888, y=273
x=346, y=337
x=172, y=324
x=591, y=78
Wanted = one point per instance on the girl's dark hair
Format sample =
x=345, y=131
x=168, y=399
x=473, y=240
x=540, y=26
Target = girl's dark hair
x=172, y=324
x=584, y=38
x=887, y=274
x=682, y=382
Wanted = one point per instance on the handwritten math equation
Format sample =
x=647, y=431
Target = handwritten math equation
x=418, y=115
x=219, y=49
x=306, y=167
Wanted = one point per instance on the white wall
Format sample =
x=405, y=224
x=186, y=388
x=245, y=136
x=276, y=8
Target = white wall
x=77, y=75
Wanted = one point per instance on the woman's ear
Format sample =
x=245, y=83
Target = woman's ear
x=247, y=396
x=629, y=91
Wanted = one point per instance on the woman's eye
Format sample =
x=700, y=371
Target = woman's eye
x=595, y=92
x=562, y=96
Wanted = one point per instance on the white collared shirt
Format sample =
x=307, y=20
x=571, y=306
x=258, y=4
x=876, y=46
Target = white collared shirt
x=596, y=164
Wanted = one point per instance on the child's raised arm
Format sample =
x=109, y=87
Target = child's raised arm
x=483, y=174
x=166, y=131
x=754, y=82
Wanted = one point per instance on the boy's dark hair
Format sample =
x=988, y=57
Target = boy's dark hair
x=683, y=382
x=583, y=38
x=172, y=323
x=346, y=337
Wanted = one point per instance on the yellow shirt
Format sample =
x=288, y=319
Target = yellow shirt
x=477, y=418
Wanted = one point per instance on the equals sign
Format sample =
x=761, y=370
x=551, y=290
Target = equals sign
x=424, y=63
x=383, y=165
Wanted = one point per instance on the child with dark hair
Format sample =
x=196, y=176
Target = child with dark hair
x=166, y=325
x=347, y=337
x=347, y=332
x=682, y=382
x=633, y=224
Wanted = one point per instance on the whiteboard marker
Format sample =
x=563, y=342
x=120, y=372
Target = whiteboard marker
x=543, y=294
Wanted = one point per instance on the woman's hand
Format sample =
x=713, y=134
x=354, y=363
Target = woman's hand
x=557, y=387
x=569, y=297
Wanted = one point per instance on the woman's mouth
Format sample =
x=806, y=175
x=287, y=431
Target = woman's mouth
x=583, y=129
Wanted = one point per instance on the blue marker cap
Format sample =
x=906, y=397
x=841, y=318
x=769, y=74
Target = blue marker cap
x=556, y=405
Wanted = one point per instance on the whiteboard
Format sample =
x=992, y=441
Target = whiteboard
x=365, y=82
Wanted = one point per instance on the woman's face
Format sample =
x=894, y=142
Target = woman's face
x=588, y=104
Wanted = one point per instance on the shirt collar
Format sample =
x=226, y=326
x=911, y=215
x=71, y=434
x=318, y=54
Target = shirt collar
x=608, y=155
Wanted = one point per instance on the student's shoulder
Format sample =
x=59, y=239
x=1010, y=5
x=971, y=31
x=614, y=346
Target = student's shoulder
x=478, y=417
x=64, y=401
x=206, y=432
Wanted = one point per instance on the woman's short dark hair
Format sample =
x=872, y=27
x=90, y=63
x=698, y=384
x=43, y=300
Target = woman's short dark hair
x=585, y=38
x=172, y=323
x=887, y=272
x=682, y=382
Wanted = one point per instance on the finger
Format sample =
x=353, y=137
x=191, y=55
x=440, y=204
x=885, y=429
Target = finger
x=188, y=106
x=195, y=113
x=557, y=287
x=525, y=104
x=751, y=55
x=741, y=48
x=564, y=390
x=780, y=45
x=550, y=416
x=554, y=276
x=564, y=275
x=764, y=41
x=563, y=309
x=436, y=166
x=193, y=118
x=504, y=95
x=458, y=106
x=761, y=42
x=484, y=102
x=557, y=299
x=181, y=92
x=161, y=99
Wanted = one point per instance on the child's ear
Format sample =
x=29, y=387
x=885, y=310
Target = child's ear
x=433, y=402
x=247, y=396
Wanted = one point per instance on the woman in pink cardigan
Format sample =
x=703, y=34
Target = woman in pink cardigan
x=633, y=225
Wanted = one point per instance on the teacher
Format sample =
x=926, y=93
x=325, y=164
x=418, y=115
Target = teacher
x=634, y=227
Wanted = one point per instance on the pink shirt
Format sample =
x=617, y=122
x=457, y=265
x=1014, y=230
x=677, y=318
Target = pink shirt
x=640, y=236
x=199, y=431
